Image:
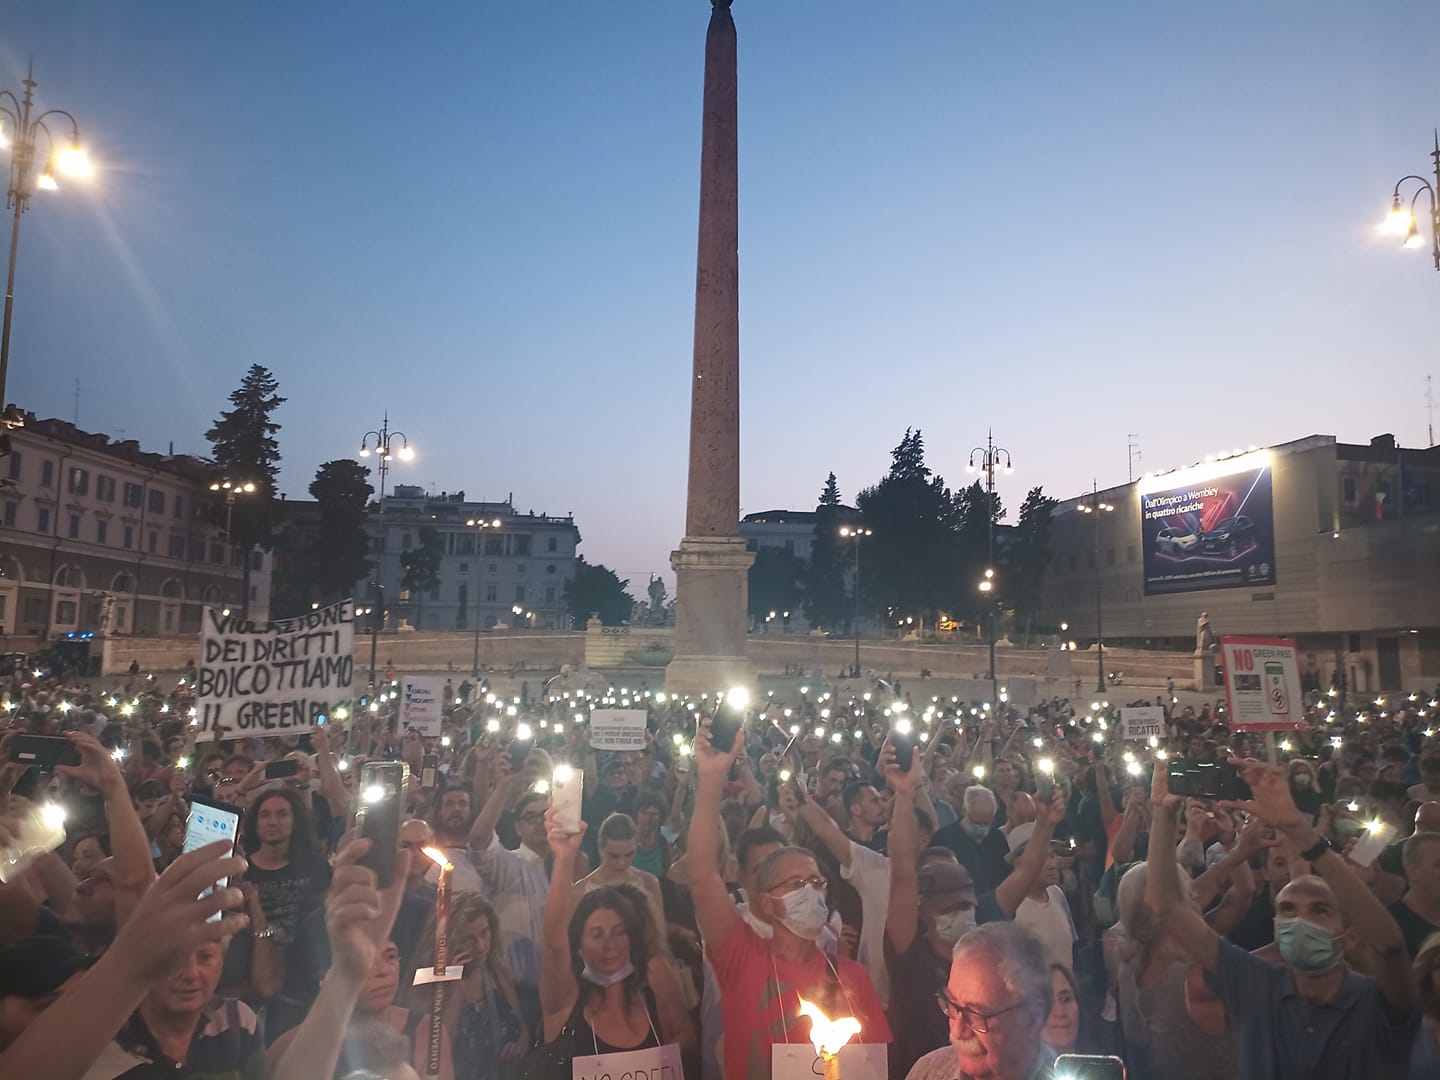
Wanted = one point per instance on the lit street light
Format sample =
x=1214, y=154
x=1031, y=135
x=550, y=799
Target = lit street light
x=18, y=131
x=479, y=525
x=232, y=488
x=1095, y=508
x=382, y=444
x=987, y=458
x=1401, y=219
x=856, y=533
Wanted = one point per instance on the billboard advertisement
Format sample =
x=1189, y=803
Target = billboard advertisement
x=1211, y=527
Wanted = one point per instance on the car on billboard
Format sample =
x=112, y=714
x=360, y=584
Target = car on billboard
x=1176, y=540
x=1228, y=537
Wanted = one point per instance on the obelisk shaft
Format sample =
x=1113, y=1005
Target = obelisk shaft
x=711, y=565
x=713, y=501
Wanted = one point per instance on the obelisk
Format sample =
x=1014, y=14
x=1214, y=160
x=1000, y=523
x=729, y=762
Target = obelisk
x=711, y=564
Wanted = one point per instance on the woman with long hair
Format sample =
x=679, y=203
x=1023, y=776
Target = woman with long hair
x=481, y=1024
x=600, y=981
x=1062, y=1029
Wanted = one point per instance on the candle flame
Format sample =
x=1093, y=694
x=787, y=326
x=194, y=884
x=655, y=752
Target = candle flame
x=439, y=858
x=828, y=1035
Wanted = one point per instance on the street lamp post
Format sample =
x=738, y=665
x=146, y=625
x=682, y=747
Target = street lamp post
x=1401, y=219
x=479, y=525
x=382, y=443
x=987, y=459
x=1095, y=508
x=70, y=160
x=856, y=533
x=232, y=488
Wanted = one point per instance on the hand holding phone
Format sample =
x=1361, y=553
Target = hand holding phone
x=44, y=751
x=378, y=817
x=279, y=770
x=566, y=787
x=210, y=821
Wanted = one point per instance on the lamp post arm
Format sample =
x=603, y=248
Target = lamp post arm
x=74, y=125
x=1423, y=183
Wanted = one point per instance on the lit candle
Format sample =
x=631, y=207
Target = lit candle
x=442, y=919
x=829, y=1036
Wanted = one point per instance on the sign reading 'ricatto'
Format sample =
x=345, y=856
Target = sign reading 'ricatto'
x=274, y=678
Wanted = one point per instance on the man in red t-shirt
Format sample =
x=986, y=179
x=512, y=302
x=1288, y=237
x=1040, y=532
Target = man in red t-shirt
x=761, y=982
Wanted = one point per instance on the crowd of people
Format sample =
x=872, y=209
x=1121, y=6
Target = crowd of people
x=984, y=888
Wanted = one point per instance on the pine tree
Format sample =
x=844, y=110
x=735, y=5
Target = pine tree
x=824, y=578
x=1029, y=556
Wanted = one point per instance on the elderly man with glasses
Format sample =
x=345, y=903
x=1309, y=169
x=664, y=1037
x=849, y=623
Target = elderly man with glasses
x=997, y=1001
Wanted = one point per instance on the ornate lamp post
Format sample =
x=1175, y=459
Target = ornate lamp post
x=479, y=525
x=1401, y=219
x=232, y=488
x=382, y=444
x=1095, y=508
x=856, y=533
x=20, y=130
x=987, y=459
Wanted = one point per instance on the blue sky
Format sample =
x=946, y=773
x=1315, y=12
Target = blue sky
x=1070, y=222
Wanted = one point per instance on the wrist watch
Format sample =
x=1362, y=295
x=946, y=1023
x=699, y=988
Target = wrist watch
x=268, y=932
x=1315, y=850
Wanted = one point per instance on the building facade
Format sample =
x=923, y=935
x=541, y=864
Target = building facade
x=102, y=537
x=485, y=574
x=1338, y=547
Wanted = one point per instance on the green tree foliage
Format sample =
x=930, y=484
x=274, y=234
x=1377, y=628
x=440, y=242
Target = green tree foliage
x=826, y=604
x=774, y=582
x=340, y=555
x=595, y=590
x=244, y=449
x=1028, y=558
x=421, y=569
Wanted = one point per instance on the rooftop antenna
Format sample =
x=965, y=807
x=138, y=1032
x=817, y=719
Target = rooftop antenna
x=1429, y=411
x=77, y=403
x=1132, y=453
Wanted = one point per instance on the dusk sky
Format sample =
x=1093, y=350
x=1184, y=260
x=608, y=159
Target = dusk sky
x=1069, y=222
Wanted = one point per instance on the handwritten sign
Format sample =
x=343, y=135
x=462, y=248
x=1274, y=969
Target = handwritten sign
x=858, y=1061
x=1141, y=722
x=657, y=1063
x=617, y=729
x=273, y=678
x=420, y=704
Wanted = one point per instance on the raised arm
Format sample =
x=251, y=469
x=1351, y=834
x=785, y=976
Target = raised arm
x=714, y=912
x=1031, y=863
x=558, y=988
x=902, y=918
x=1162, y=882
x=331, y=786
x=821, y=824
x=505, y=789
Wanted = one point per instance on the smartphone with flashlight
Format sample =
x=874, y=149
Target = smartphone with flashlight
x=44, y=751
x=1373, y=840
x=428, y=764
x=903, y=742
x=279, y=770
x=382, y=786
x=565, y=789
x=210, y=821
x=521, y=746
x=1089, y=1067
x=724, y=727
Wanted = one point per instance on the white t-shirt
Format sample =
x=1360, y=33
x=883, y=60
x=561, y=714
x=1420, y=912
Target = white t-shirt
x=1049, y=920
x=869, y=873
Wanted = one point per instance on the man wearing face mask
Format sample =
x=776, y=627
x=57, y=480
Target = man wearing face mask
x=1313, y=1017
x=979, y=845
x=762, y=981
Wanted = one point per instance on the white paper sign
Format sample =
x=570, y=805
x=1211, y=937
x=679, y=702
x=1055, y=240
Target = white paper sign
x=1262, y=684
x=617, y=729
x=1142, y=721
x=273, y=678
x=797, y=1061
x=658, y=1063
x=420, y=704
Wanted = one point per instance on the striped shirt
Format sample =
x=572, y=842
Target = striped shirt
x=227, y=1046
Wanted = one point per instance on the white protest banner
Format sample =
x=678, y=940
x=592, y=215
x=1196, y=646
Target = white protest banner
x=420, y=704
x=617, y=729
x=857, y=1061
x=657, y=1063
x=1142, y=721
x=273, y=678
x=1262, y=684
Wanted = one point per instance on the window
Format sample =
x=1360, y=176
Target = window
x=519, y=594
x=494, y=545
x=157, y=502
x=102, y=530
x=464, y=544
x=14, y=467
x=79, y=481
x=196, y=551
x=494, y=568
x=65, y=612
x=128, y=540
x=464, y=569
x=550, y=569
x=105, y=488
x=35, y=609
x=134, y=494
x=179, y=506
x=47, y=473
x=11, y=510
x=490, y=593
x=549, y=594
x=154, y=545
x=553, y=544
x=522, y=545
x=520, y=568
x=177, y=546
x=42, y=519
x=217, y=554
x=1347, y=487
x=257, y=560
x=73, y=530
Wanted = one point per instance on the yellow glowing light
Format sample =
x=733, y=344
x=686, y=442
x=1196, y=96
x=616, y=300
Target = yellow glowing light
x=979, y=771
x=1046, y=765
x=1352, y=806
x=828, y=1036
x=438, y=857
x=739, y=697
x=1133, y=768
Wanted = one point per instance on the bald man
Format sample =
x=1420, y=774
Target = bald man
x=1389, y=883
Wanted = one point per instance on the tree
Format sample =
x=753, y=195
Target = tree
x=1028, y=559
x=774, y=583
x=595, y=590
x=244, y=449
x=421, y=566
x=824, y=578
x=340, y=555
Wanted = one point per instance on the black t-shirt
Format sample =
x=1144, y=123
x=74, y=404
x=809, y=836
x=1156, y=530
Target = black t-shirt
x=1257, y=928
x=289, y=897
x=984, y=859
x=1415, y=929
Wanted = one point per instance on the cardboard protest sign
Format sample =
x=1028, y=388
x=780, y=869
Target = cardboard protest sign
x=656, y=1063
x=420, y=704
x=617, y=729
x=273, y=678
x=1262, y=684
x=1141, y=722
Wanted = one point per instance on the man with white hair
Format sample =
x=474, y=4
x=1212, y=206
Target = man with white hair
x=978, y=845
x=997, y=1001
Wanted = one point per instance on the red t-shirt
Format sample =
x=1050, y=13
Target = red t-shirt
x=747, y=970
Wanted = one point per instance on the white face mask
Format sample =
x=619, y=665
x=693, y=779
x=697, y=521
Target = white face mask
x=952, y=926
x=594, y=977
x=805, y=912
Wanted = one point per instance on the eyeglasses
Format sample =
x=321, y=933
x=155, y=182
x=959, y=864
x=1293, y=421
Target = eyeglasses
x=789, y=885
x=974, y=1019
x=531, y=819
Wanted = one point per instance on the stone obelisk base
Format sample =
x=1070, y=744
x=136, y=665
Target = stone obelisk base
x=711, y=602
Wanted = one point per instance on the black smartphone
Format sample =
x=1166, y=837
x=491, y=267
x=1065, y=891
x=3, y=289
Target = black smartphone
x=1089, y=1067
x=44, y=751
x=725, y=726
x=382, y=784
x=519, y=751
x=428, y=764
x=278, y=770
x=210, y=821
x=1045, y=788
x=904, y=744
x=1203, y=780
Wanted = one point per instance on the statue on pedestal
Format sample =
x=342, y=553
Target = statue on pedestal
x=1204, y=637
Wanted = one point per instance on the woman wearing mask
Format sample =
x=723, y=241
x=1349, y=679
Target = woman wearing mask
x=601, y=986
x=1305, y=789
